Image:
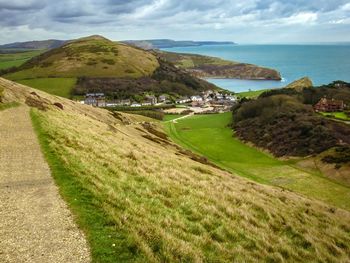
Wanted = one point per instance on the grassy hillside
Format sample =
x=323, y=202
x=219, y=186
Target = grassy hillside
x=92, y=56
x=15, y=59
x=41, y=44
x=139, y=198
x=212, y=67
x=100, y=65
x=196, y=133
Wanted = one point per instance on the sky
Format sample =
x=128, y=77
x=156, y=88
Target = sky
x=241, y=21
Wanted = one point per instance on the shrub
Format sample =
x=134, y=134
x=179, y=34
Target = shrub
x=108, y=61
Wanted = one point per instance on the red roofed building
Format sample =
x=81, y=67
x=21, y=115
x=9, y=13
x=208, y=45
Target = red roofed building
x=331, y=105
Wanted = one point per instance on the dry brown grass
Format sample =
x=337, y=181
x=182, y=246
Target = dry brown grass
x=175, y=209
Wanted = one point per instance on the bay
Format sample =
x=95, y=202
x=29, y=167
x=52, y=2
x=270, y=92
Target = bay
x=322, y=63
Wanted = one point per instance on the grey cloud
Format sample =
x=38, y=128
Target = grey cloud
x=165, y=16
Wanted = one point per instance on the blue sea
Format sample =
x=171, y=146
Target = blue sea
x=322, y=63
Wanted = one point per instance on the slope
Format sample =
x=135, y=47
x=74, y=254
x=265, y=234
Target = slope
x=93, y=56
x=163, y=204
x=212, y=67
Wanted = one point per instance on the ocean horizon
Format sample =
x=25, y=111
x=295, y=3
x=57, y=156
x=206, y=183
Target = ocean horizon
x=322, y=63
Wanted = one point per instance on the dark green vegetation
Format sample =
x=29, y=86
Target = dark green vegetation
x=10, y=59
x=212, y=67
x=158, y=115
x=211, y=136
x=284, y=122
x=99, y=228
x=57, y=86
x=166, y=79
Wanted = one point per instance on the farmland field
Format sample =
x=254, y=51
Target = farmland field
x=210, y=136
x=251, y=94
x=8, y=60
x=336, y=115
x=55, y=86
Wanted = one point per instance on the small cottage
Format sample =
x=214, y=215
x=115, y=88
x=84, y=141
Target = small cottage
x=95, y=99
x=329, y=105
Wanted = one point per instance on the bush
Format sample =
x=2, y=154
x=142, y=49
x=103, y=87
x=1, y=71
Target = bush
x=340, y=155
x=285, y=126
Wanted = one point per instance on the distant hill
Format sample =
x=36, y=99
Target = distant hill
x=300, y=84
x=43, y=44
x=212, y=67
x=93, y=56
x=168, y=43
x=102, y=65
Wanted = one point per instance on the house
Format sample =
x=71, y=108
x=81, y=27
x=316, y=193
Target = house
x=162, y=98
x=231, y=97
x=197, y=104
x=182, y=100
x=95, y=99
x=329, y=105
x=147, y=103
x=196, y=98
x=125, y=102
x=151, y=99
x=219, y=96
x=135, y=104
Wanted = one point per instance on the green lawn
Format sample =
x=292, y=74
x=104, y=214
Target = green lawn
x=209, y=135
x=337, y=115
x=16, y=59
x=251, y=94
x=56, y=86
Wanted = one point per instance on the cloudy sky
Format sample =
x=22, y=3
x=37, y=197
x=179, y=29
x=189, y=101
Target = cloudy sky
x=248, y=21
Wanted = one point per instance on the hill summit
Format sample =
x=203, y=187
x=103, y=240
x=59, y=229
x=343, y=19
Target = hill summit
x=93, y=56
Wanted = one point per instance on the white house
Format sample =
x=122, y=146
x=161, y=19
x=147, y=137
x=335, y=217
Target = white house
x=182, y=100
x=196, y=98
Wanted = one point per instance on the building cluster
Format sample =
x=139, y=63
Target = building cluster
x=329, y=105
x=206, y=98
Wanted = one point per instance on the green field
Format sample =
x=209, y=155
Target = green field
x=209, y=135
x=337, y=115
x=170, y=117
x=251, y=94
x=56, y=86
x=16, y=59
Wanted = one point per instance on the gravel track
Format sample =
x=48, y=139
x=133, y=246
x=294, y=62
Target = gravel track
x=35, y=223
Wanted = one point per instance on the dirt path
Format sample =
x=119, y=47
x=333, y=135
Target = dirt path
x=35, y=223
x=180, y=118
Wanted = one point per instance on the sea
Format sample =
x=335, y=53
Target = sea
x=322, y=63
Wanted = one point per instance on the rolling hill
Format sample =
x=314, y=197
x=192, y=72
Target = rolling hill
x=93, y=56
x=41, y=44
x=100, y=65
x=212, y=67
x=141, y=198
x=169, y=43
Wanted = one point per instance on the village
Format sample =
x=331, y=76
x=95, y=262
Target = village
x=206, y=102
